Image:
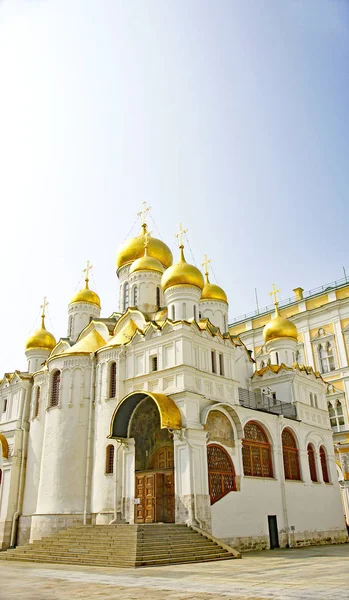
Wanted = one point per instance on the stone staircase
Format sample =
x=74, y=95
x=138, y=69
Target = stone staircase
x=124, y=546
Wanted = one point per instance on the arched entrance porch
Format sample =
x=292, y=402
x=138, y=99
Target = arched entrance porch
x=143, y=421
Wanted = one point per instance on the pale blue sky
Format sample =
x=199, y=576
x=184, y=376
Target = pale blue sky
x=230, y=116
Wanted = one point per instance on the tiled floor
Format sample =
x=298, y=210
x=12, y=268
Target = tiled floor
x=318, y=573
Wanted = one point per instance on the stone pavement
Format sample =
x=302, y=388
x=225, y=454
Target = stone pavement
x=319, y=573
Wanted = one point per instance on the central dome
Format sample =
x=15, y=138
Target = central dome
x=146, y=263
x=279, y=327
x=182, y=274
x=134, y=248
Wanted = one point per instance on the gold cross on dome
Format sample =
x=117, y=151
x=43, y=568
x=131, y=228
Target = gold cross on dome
x=274, y=293
x=143, y=213
x=87, y=270
x=180, y=234
x=146, y=236
x=43, y=306
x=206, y=263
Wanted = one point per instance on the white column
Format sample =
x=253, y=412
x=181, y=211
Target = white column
x=308, y=350
x=340, y=344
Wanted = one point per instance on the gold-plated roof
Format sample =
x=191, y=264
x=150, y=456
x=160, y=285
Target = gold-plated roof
x=41, y=338
x=213, y=292
x=4, y=446
x=134, y=248
x=86, y=295
x=278, y=327
x=90, y=343
x=125, y=334
x=182, y=273
x=146, y=263
x=170, y=415
x=295, y=367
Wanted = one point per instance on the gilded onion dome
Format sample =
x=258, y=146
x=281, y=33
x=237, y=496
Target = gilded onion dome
x=279, y=327
x=86, y=295
x=182, y=274
x=41, y=338
x=213, y=292
x=146, y=263
x=133, y=249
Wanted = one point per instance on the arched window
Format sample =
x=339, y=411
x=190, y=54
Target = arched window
x=290, y=455
x=277, y=357
x=55, y=385
x=262, y=365
x=311, y=399
x=158, y=302
x=37, y=402
x=126, y=296
x=312, y=463
x=221, y=472
x=326, y=358
x=109, y=459
x=336, y=415
x=256, y=451
x=0, y=476
x=323, y=461
x=225, y=323
x=112, y=380
x=195, y=313
x=135, y=295
x=184, y=311
x=173, y=313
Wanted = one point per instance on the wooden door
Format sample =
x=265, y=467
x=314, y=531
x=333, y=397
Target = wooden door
x=145, y=492
x=169, y=498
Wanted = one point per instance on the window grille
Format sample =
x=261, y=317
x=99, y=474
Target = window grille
x=323, y=461
x=112, y=380
x=56, y=380
x=221, y=364
x=290, y=456
x=256, y=452
x=312, y=463
x=109, y=459
x=221, y=472
x=158, y=297
x=37, y=402
x=154, y=363
x=135, y=295
x=4, y=405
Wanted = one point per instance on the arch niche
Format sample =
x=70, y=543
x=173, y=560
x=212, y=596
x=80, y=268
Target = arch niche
x=147, y=418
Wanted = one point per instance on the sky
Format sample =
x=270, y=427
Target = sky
x=228, y=116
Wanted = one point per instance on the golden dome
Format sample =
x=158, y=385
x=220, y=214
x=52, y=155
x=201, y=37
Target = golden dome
x=86, y=295
x=146, y=263
x=41, y=338
x=213, y=292
x=134, y=248
x=182, y=274
x=278, y=327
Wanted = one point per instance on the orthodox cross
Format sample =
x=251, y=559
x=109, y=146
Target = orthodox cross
x=87, y=270
x=43, y=306
x=206, y=263
x=274, y=293
x=143, y=213
x=146, y=236
x=180, y=234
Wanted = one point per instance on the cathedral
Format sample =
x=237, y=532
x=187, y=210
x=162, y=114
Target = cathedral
x=158, y=414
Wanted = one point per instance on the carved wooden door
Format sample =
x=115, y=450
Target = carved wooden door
x=149, y=500
x=139, y=495
x=169, y=498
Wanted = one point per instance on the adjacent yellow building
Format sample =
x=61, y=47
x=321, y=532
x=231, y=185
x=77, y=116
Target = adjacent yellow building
x=322, y=320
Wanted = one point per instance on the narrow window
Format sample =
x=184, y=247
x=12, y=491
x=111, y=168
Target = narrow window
x=37, y=402
x=311, y=399
x=195, y=313
x=135, y=295
x=184, y=311
x=290, y=455
x=312, y=463
x=154, y=363
x=213, y=361
x=221, y=364
x=336, y=416
x=0, y=476
x=256, y=451
x=323, y=461
x=56, y=380
x=277, y=357
x=200, y=315
x=173, y=313
x=4, y=405
x=158, y=297
x=315, y=401
x=112, y=380
x=225, y=323
x=330, y=357
x=109, y=459
x=126, y=296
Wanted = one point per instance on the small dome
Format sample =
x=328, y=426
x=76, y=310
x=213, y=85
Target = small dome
x=134, y=248
x=213, y=292
x=278, y=327
x=146, y=263
x=86, y=295
x=41, y=339
x=182, y=274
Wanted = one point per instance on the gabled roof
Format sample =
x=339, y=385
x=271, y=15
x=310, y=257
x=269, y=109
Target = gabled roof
x=275, y=369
